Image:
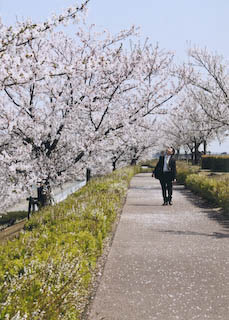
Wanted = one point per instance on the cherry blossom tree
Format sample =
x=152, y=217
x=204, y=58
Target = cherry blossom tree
x=69, y=100
x=13, y=37
x=15, y=47
x=189, y=127
x=137, y=142
x=209, y=85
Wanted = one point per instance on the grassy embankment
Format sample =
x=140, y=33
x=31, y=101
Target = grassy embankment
x=46, y=273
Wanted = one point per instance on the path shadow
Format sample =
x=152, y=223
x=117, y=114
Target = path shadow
x=220, y=216
x=143, y=174
x=143, y=188
x=195, y=199
x=212, y=211
x=144, y=205
x=217, y=235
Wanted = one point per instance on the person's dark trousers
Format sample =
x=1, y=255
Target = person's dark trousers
x=167, y=186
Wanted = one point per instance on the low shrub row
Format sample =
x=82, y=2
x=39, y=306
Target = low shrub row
x=46, y=272
x=149, y=163
x=184, y=170
x=215, y=189
x=147, y=166
x=215, y=163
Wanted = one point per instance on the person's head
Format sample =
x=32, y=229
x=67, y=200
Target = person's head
x=170, y=151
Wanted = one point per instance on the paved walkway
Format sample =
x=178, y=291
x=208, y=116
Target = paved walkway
x=165, y=263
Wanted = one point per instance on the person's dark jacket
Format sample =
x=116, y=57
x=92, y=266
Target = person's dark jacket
x=158, y=171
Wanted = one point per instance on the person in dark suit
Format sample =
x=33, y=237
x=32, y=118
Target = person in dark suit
x=165, y=171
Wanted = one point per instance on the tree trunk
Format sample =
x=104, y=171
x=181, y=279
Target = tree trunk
x=205, y=146
x=88, y=174
x=44, y=196
x=113, y=165
x=196, y=153
x=133, y=162
x=193, y=157
x=178, y=154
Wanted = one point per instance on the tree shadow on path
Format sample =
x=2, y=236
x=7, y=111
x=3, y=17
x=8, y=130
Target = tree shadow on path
x=212, y=211
x=217, y=235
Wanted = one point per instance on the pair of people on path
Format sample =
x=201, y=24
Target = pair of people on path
x=165, y=171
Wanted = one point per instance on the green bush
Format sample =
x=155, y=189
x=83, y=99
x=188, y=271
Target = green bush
x=147, y=166
x=149, y=163
x=203, y=186
x=46, y=272
x=214, y=190
x=184, y=170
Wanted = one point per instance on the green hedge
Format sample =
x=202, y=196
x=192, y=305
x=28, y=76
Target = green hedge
x=147, y=166
x=214, y=189
x=149, y=163
x=45, y=274
x=215, y=163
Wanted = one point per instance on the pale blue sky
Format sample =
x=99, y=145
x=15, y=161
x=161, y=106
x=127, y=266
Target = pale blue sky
x=172, y=23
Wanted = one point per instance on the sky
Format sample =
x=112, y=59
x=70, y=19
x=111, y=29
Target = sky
x=173, y=24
